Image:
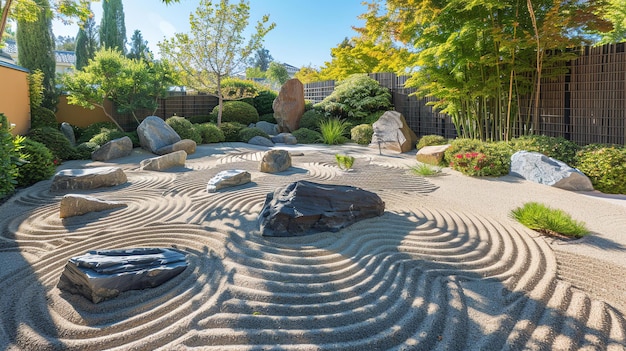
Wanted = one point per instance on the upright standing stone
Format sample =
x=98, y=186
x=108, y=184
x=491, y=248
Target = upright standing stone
x=154, y=134
x=68, y=131
x=289, y=106
x=393, y=133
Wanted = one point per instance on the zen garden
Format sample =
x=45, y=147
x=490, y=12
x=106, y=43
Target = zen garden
x=453, y=179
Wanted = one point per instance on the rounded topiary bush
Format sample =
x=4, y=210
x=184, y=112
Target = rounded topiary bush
x=184, y=128
x=231, y=130
x=264, y=102
x=107, y=135
x=238, y=111
x=210, y=133
x=605, y=166
x=202, y=119
x=430, y=140
x=40, y=165
x=476, y=158
x=556, y=147
x=55, y=141
x=311, y=119
x=307, y=136
x=84, y=150
x=362, y=134
x=268, y=117
x=248, y=133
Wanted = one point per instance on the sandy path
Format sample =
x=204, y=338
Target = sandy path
x=444, y=268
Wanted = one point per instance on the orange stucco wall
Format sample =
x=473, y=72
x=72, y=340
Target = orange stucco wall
x=78, y=116
x=14, y=100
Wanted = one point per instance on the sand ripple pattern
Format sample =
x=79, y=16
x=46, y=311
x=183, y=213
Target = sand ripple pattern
x=413, y=279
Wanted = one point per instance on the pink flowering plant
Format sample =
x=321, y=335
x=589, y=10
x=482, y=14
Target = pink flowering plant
x=471, y=163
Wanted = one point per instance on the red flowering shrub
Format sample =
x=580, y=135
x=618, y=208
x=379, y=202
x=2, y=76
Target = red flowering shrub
x=471, y=163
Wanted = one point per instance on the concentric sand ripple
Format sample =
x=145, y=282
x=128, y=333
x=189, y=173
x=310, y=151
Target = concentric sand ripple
x=413, y=279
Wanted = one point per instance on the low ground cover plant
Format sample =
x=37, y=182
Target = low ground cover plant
x=548, y=221
x=307, y=136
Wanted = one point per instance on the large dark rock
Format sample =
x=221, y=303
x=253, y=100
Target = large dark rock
x=104, y=274
x=303, y=207
x=88, y=178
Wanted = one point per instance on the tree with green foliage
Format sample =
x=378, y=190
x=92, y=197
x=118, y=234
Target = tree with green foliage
x=255, y=73
x=615, y=15
x=86, y=43
x=65, y=43
x=215, y=48
x=308, y=74
x=35, y=43
x=277, y=73
x=139, y=47
x=130, y=84
x=262, y=59
x=480, y=58
x=112, y=26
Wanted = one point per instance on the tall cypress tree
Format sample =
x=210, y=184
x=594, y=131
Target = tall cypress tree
x=112, y=27
x=86, y=43
x=35, y=47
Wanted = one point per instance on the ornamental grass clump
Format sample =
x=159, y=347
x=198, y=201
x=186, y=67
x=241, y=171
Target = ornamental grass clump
x=549, y=221
x=425, y=170
x=332, y=131
x=345, y=162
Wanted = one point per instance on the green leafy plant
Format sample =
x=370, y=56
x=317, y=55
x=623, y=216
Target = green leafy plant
x=40, y=163
x=248, y=133
x=430, y=140
x=238, y=111
x=264, y=102
x=307, y=136
x=470, y=163
x=231, y=130
x=96, y=128
x=311, y=119
x=344, y=162
x=55, y=141
x=9, y=158
x=355, y=98
x=268, y=117
x=332, y=131
x=362, y=134
x=425, y=170
x=184, y=128
x=605, y=166
x=202, y=119
x=210, y=133
x=549, y=221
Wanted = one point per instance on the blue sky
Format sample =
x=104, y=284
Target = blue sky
x=305, y=30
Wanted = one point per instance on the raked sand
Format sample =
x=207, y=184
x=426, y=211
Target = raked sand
x=445, y=268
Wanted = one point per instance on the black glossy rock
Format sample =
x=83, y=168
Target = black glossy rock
x=303, y=207
x=104, y=274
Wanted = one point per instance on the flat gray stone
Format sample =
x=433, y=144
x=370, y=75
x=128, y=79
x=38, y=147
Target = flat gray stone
x=267, y=127
x=113, y=149
x=304, y=207
x=261, y=141
x=88, y=178
x=285, y=138
x=539, y=168
x=187, y=145
x=78, y=204
x=104, y=274
x=229, y=178
x=161, y=163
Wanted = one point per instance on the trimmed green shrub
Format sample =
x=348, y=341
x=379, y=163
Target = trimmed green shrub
x=184, y=128
x=307, y=136
x=333, y=130
x=374, y=116
x=231, y=130
x=42, y=117
x=248, y=133
x=40, y=164
x=264, y=102
x=210, y=133
x=9, y=158
x=202, y=119
x=549, y=221
x=311, y=119
x=556, y=147
x=268, y=117
x=86, y=134
x=355, y=98
x=362, y=134
x=476, y=158
x=106, y=135
x=430, y=140
x=84, y=150
x=238, y=111
x=605, y=166
x=55, y=141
